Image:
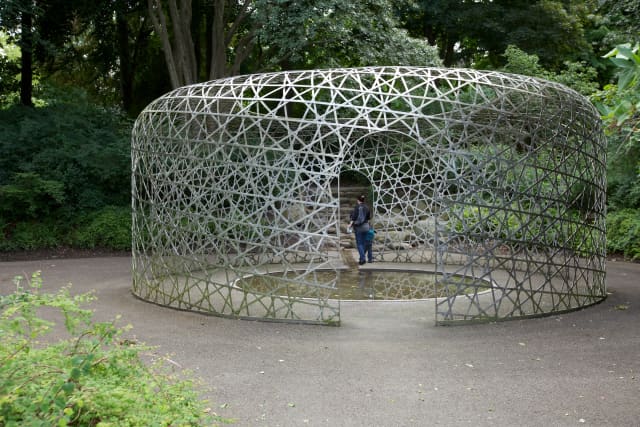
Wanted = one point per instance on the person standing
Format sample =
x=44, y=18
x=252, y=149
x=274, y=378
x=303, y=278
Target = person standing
x=360, y=217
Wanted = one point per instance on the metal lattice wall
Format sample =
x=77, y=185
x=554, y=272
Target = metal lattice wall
x=483, y=175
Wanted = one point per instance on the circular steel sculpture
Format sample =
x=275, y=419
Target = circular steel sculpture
x=493, y=177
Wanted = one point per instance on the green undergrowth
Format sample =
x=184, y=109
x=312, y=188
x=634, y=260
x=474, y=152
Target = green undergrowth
x=623, y=233
x=95, y=377
x=106, y=228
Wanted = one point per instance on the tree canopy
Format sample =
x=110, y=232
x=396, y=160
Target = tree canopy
x=76, y=62
x=130, y=51
x=480, y=31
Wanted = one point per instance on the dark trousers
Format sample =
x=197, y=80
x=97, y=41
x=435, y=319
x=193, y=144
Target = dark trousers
x=365, y=247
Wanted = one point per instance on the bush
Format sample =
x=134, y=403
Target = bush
x=576, y=75
x=106, y=228
x=619, y=105
x=27, y=194
x=83, y=147
x=93, y=378
x=534, y=228
x=110, y=227
x=623, y=233
x=30, y=235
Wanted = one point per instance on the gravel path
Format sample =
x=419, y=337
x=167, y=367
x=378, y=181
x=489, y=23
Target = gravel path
x=388, y=365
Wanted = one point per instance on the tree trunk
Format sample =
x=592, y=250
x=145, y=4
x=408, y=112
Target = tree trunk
x=175, y=32
x=448, y=52
x=126, y=64
x=200, y=14
x=26, y=61
x=182, y=41
x=178, y=51
x=208, y=37
x=160, y=25
x=218, y=65
x=243, y=43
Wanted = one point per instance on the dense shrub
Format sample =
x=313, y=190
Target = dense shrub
x=623, y=233
x=623, y=191
x=93, y=378
x=619, y=105
x=534, y=228
x=29, y=235
x=28, y=195
x=576, y=75
x=106, y=228
x=63, y=165
x=110, y=227
x=83, y=147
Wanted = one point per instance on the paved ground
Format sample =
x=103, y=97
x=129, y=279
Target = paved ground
x=388, y=365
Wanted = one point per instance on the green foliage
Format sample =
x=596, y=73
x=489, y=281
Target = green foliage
x=93, y=378
x=620, y=21
x=83, y=147
x=623, y=190
x=500, y=223
x=9, y=70
x=619, y=105
x=525, y=228
x=474, y=32
x=29, y=195
x=520, y=62
x=105, y=228
x=626, y=102
x=320, y=34
x=576, y=75
x=623, y=233
x=63, y=166
x=30, y=235
x=28, y=205
x=512, y=214
x=110, y=227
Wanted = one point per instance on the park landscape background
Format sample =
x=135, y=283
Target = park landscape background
x=75, y=73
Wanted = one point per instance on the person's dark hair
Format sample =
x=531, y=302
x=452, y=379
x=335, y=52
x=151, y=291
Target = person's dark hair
x=361, y=198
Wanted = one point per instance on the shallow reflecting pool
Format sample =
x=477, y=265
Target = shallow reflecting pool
x=364, y=284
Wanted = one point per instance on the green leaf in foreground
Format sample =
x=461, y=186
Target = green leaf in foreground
x=92, y=378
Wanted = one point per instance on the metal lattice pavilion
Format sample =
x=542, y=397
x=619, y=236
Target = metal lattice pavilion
x=493, y=177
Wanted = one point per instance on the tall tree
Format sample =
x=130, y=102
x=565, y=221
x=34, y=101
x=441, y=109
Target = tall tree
x=480, y=30
x=103, y=46
x=223, y=22
x=117, y=45
x=252, y=35
x=325, y=33
x=442, y=23
x=39, y=27
x=9, y=69
x=16, y=18
x=26, y=60
x=548, y=29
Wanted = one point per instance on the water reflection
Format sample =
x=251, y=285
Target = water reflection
x=362, y=284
